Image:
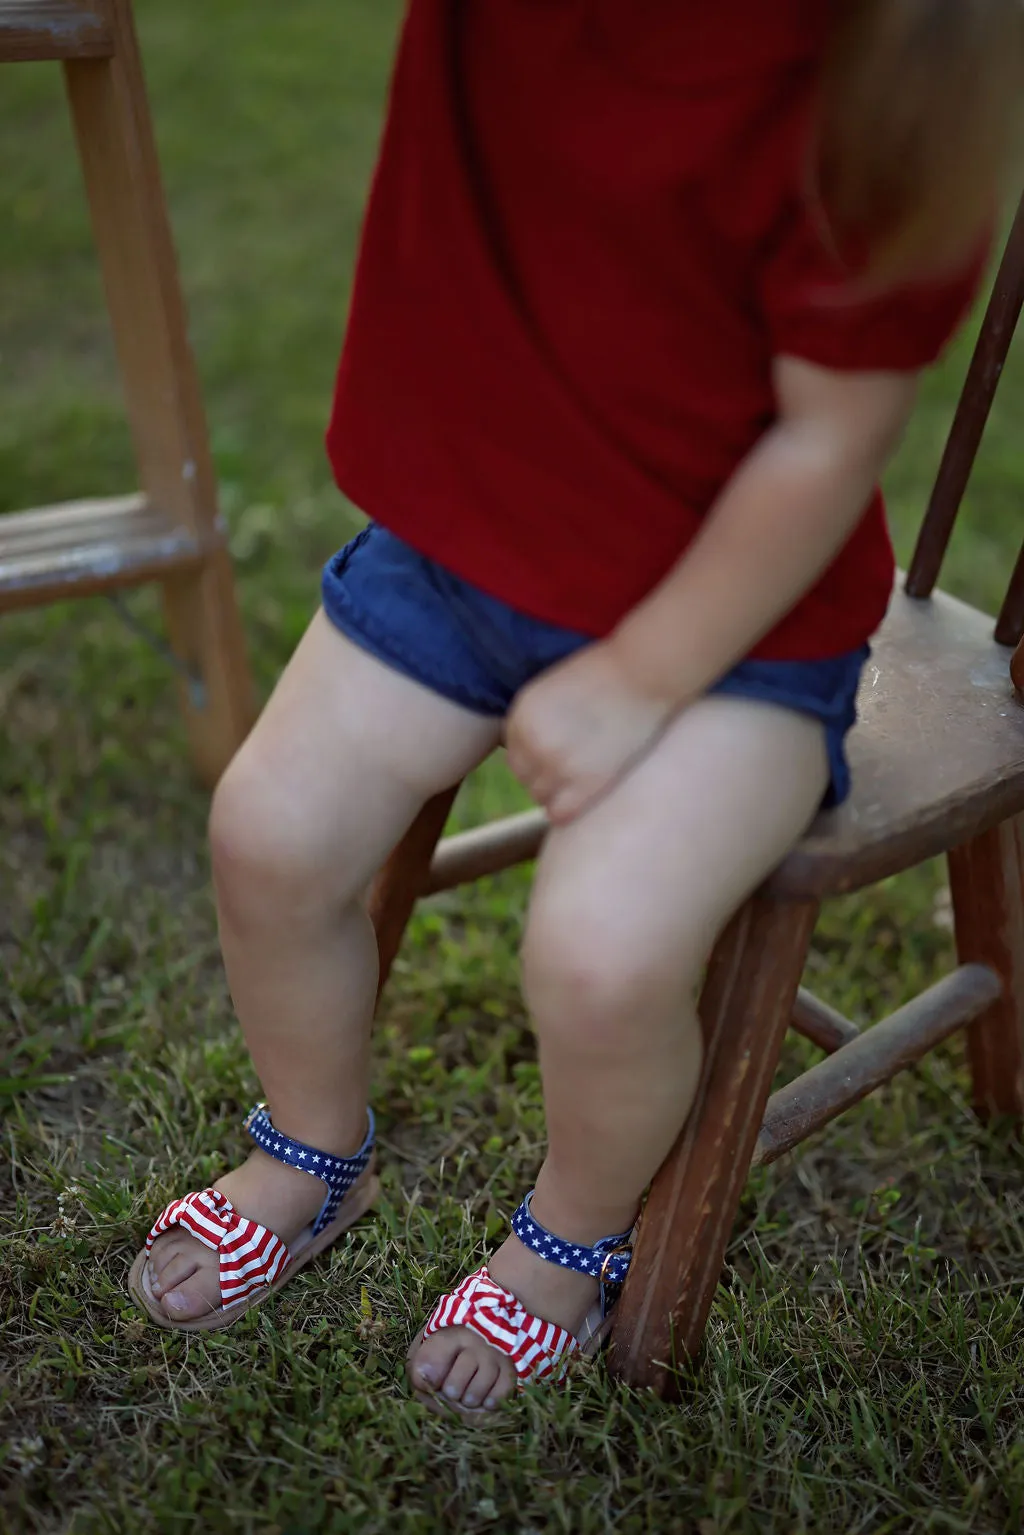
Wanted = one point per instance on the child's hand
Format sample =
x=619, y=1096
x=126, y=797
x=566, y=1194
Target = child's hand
x=578, y=728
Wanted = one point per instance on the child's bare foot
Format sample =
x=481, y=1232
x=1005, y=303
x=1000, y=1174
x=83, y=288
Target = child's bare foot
x=184, y=1276
x=457, y=1363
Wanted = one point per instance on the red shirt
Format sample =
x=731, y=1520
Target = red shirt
x=586, y=241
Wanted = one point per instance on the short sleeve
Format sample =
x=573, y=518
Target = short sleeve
x=813, y=311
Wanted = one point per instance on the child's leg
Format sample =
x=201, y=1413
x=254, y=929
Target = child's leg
x=628, y=902
x=336, y=769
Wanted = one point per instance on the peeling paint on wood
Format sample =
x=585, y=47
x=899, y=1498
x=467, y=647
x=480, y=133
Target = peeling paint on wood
x=52, y=29
x=89, y=546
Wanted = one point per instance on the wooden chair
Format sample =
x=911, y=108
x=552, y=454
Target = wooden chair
x=170, y=532
x=938, y=760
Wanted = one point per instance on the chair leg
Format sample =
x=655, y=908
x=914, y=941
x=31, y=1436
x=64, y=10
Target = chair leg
x=745, y=1010
x=986, y=877
x=161, y=387
x=205, y=633
x=401, y=882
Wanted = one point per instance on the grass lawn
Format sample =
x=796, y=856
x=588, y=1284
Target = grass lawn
x=864, y=1360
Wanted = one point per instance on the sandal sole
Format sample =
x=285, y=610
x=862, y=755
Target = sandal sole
x=356, y=1202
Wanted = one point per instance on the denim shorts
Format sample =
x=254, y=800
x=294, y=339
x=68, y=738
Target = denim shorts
x=449, y=636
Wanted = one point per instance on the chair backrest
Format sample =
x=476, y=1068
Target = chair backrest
x=964, y=440
x=965, y=436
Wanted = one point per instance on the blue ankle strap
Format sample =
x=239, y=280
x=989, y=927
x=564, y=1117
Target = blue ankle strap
x=607, y=1260
x=339, y=1173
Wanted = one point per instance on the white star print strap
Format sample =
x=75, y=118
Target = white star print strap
x=607, y=1260
x=339, y=1173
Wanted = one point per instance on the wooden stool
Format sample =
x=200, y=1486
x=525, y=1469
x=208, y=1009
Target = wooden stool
x=170, y=532
x=938, y=767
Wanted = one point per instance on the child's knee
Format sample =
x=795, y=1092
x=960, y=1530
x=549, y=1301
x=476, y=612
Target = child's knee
x=269, y=861
x=595, y=981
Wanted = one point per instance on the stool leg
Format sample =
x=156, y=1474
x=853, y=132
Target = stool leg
x=205, y=632
x=986, y=877
x=122, y=179
x=400, y=883
x=745, y=1009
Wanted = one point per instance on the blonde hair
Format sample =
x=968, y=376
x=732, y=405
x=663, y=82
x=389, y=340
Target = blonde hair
x=920, y=116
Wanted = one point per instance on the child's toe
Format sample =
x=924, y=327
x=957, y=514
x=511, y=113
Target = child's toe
x=504, y=1384
x=461, y=1367
x=192, y=1298
x=173, y=1271
x=434, y=1358
x=184, y=1276
x=486, y=1380
x=459, y=1376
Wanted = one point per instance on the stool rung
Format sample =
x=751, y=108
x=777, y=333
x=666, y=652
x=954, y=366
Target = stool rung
x=85, y=547
x=856, y=1069
x=52, y=29
x=469, y=855
x=821, y=1024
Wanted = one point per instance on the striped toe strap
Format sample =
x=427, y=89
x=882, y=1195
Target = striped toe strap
x=536, y=1348
x=250, y=1256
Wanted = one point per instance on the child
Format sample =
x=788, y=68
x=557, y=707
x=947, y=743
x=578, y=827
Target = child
x=644, y=289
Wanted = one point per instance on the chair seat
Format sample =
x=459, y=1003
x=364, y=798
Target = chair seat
x=937, y=753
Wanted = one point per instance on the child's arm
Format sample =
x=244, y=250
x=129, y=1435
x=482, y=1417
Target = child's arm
x=774, y=529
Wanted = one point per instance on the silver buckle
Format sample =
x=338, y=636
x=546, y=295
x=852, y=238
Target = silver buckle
x=257, y=1108
x=627, y=1247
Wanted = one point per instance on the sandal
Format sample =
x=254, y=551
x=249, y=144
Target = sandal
x=538, y=1350
x=254, y=1263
